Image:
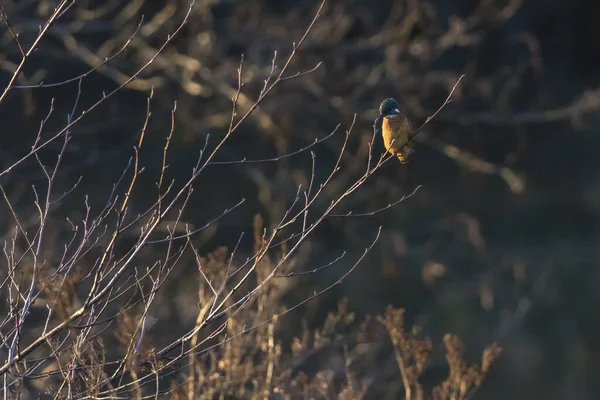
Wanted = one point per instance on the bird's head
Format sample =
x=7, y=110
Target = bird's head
x=389, y=108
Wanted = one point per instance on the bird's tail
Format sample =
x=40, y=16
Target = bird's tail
x=403, y=156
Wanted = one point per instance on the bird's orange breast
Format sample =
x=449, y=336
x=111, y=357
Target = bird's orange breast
x=395, y=132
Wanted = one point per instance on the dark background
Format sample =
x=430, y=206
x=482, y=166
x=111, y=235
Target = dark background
x=517, y=266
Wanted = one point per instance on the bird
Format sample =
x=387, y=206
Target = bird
x=396, y=130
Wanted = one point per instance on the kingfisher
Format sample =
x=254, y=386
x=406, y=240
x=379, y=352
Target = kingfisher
x=396, y=130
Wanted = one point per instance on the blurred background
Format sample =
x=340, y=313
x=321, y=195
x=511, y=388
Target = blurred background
x=499, y=242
